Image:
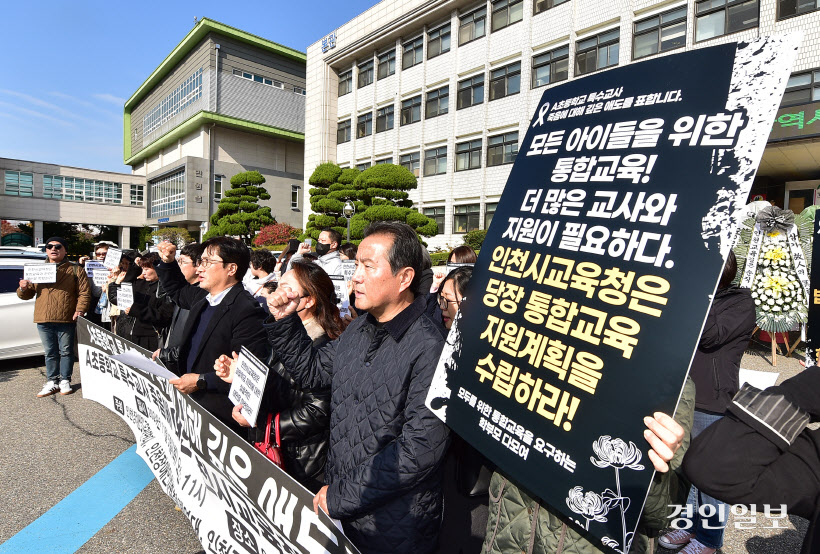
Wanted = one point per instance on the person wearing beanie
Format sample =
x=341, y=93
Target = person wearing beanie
x=56, y=309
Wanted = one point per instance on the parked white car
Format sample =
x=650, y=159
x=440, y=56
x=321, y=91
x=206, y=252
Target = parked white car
x=19, y=336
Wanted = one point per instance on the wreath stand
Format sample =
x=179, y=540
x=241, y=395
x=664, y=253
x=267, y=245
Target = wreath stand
x=776, y=348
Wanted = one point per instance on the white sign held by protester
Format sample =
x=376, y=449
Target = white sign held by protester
x=343, y=297
x=97, y=272
x=40, y=273
x=125, y=296
x=112, y=258
x=248, y=384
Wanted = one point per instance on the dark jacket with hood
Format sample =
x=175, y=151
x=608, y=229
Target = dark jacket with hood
x=387, y=448
x=725, y=336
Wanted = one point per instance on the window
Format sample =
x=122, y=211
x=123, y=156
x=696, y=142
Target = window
x=387, y=63
x=597, y=52
x=217, y=188
x=180, y=98
x=19, y=184
x=501, y=149
x=10, y=278
x=384, y=119
x=489, y=212
x=343, y=132
x=436, y=214
x=363, y=166
x=412, y=53
x=471, y=91
x=345, y=82
x=384, y=161
x=365, y=73
x=505, y=81
x=411, y=162
x=714, y=18
x=52, y=187
x=468, y=155
x=438, y=41
x=294, y=197
x=137, y=195
x=435, y=161
x=411, y=110
x=86, y=190
x=168, y=194
x=364, y=125
x=788, y=8
x=550, y=67
x=299, y=90
x=472, y=26
x=438, y=102
x=801, y=88
x=466, y=217
x=542, y=5
x=660, y=33
x=507, y=12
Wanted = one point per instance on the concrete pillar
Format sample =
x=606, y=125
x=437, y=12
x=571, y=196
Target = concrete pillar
x=125, y=237
x=38, y=233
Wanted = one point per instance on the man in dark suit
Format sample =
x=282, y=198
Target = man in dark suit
x=223, y=317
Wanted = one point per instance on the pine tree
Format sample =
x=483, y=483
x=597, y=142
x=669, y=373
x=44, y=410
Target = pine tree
x=379, y=193
x=239, y=213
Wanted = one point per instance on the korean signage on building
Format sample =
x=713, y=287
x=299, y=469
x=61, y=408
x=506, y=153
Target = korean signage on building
x=329, y=42
x=796, y=122
x=592, y=286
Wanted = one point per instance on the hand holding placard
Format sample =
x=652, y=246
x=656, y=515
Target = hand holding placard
x=248, y=384
x=112, y=258
x=40, y=273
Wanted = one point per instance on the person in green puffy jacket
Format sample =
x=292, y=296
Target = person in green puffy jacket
x=519, y=522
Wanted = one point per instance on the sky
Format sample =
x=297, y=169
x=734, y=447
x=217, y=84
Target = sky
x=69, y=67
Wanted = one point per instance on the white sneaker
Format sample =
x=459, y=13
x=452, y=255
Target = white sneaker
x=65, y=387
x=48, y=389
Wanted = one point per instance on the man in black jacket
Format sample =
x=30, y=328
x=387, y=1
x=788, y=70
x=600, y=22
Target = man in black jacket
x=762, y=453
x=223, y=317
x=386, y=448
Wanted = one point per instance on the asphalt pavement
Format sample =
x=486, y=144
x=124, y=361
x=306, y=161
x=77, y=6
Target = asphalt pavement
x=53, y=445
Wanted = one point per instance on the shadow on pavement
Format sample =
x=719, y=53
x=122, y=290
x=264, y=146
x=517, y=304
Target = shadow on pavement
x=788, y=541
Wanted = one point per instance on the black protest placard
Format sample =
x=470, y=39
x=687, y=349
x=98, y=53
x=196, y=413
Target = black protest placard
x=235, y=498
x=592, y=286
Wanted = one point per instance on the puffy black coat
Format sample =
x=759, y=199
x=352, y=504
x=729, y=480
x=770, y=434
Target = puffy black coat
x=304, y=423
x=725, y=336
x=387, y=449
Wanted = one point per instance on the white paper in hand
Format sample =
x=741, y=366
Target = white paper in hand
x=248, y=384
x=125, y=296
x=112, y=258
x=40, y=273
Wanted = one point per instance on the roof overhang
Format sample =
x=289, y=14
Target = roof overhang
x=207, y=118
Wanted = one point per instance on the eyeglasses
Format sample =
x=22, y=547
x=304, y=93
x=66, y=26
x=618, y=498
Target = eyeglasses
x=443, y=302
x=186, y=262
x=53, y=246
x=101, y=253
x=205, y=263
